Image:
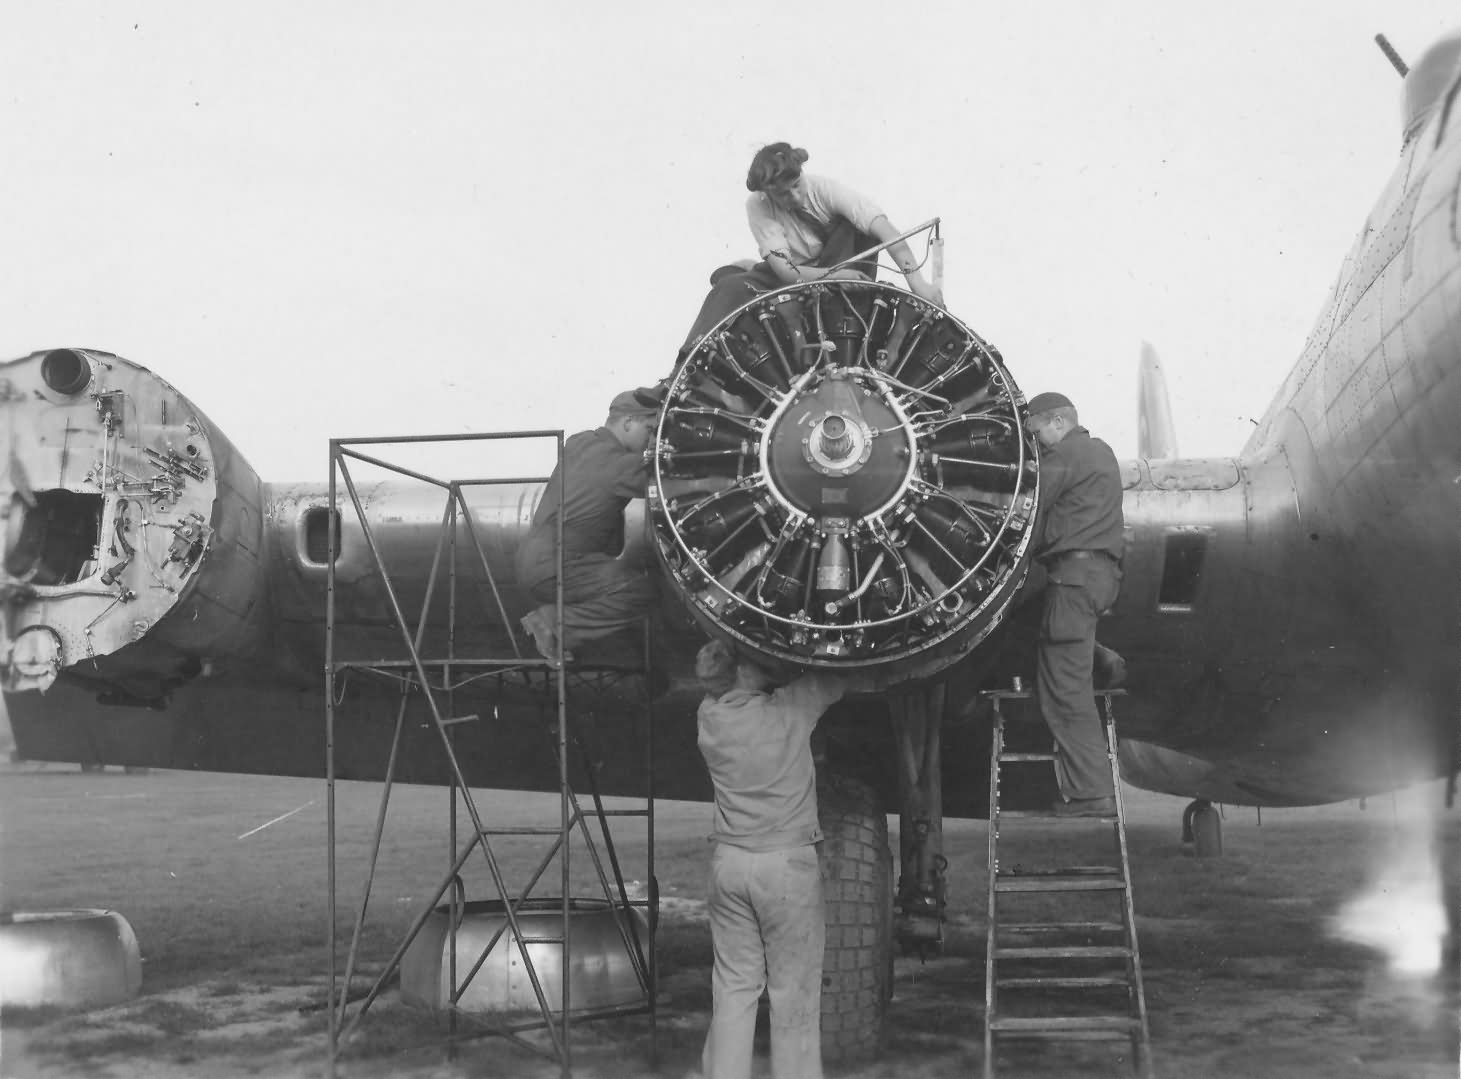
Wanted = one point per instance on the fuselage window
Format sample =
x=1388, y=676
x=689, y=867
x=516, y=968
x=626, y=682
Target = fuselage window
x=1183, y=556
x=317, y=523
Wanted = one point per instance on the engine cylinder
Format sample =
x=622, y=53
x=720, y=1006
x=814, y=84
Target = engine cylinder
x=873, y=460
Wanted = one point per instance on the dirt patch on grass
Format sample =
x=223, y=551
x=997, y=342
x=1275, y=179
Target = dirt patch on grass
x=252, y=1026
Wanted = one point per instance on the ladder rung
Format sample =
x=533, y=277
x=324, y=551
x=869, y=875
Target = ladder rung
x=1045, y=814
x=1113, y=883
x=1083, y=951
x=541, y=940
x=1063, y=982
x=1068, y=1035
x=1066, y=1024
x=616, y=813
x=1061, y=927
x=1003, y=757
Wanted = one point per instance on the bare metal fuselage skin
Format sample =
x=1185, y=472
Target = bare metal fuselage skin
x=1319, y=657
x=1291, y=617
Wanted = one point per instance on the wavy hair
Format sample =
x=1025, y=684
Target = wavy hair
x=778, y=163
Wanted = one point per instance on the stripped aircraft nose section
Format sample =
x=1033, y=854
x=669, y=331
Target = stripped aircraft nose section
x=112, y=507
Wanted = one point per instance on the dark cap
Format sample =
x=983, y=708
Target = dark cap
x=1048, y=402
x=643, y=401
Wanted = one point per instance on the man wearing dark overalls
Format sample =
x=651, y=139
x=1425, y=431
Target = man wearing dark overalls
x=1078, y=539
x=601, y=471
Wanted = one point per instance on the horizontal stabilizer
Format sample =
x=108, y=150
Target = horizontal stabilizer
x=1156, y=435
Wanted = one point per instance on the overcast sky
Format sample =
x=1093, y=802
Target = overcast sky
x=334, y=219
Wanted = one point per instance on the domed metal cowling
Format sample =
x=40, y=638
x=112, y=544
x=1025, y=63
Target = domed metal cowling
x=842, y=479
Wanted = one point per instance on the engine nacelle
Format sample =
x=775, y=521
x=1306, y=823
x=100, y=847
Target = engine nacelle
x=132, y=529
x=842, y=479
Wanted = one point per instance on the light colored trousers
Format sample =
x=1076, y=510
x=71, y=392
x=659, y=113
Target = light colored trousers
x=769, y=929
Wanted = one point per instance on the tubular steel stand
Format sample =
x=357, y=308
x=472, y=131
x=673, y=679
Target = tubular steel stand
x=437, y=679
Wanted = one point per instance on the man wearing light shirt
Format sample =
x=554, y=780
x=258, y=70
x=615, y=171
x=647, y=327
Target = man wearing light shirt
x=803, y=226
x=765, y=895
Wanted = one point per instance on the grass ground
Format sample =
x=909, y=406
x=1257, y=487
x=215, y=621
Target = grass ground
x=1245, y=972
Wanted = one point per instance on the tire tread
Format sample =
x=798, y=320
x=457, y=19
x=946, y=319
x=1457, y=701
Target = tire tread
x=857, y=879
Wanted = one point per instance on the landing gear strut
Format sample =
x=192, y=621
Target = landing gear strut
x=917, y=721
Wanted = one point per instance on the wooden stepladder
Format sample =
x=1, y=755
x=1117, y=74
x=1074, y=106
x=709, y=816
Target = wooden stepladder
x=1061, y=965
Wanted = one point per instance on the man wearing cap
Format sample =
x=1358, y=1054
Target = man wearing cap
x=601, y=470
x=1079, y=541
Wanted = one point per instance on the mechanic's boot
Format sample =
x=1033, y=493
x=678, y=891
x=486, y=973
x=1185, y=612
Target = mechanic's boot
x=1085, y=807
x=539, y=623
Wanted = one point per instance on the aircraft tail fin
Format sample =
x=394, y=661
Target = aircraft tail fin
x=1156, y=434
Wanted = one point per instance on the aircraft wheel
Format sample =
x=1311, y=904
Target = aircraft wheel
x=857, y=874
x=68, y=958
x=1202, y=826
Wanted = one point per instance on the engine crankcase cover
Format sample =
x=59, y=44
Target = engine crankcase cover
x=842, y=479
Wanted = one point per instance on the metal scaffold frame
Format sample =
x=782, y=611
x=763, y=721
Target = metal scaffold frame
x=415, y=673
